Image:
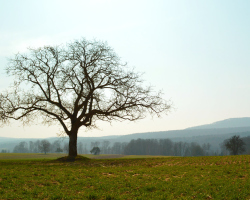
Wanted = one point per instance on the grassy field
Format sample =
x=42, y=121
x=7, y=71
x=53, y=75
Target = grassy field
x=40, y=177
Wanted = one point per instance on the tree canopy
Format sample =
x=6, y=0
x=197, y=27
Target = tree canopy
x=76, y=85
x=95, y=151
x=235, y=145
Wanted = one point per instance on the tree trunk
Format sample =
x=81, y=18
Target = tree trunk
x=73, y=144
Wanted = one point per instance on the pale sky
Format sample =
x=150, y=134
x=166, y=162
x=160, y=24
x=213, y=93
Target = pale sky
x=197, y=52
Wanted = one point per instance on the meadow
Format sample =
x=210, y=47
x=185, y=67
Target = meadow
x=39, y=176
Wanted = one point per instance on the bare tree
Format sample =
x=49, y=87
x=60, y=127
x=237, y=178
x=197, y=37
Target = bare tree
x=56, y=146
x=206, y=148
x=76, y=85
x=36, y=148
x=22, y=147
x=117, y=147
x=45, y=146
x=105, y=145
x=235, y=145
x=31, y=146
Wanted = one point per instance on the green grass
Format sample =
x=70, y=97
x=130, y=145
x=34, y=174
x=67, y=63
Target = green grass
x=29, y=156
x=225, y=177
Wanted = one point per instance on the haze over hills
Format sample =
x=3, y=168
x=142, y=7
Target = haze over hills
x=227, y=123
x=186, y=133
x=214, y=134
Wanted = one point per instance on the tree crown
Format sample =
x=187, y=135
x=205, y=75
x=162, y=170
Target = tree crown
x=76, y=85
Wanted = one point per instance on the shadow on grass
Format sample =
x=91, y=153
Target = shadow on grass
x=73, y=159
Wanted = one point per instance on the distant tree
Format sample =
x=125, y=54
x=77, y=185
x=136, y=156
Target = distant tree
x=45, y=146
x=163, y=147
x=117, y=148
x=166, y=147
x=234, y=145
x=196, y=149
x=246, y=140
x=134, y=147
x=206, y=148
x=31, y=147
x=37, y=146
x=179, y=148
x=95, y=151
x=223, y=149
x=59, y=150
x=75, y=86
x=56, y=146
x=105, y=145
x=144, y=147
x=124, y=144
x=22, y=147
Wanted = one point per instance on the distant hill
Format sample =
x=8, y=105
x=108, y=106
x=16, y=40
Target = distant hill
x=214, y=133
x=227, y=123
x=185, y=133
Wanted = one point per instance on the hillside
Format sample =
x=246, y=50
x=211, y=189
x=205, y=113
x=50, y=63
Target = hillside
x=186, y=133
x=227, y=123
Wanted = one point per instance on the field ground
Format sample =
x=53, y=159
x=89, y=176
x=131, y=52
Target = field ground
x=39, y=176
x=32, y=156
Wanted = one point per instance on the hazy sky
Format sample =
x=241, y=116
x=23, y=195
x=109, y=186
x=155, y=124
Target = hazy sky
x=196, y=51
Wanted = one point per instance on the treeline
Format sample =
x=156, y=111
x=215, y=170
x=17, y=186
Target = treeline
x=5, y=151
x=60, y=146
x=166, y=147
x=44, y=146
x=106, y=147
x=246, y=140
x=39, y=146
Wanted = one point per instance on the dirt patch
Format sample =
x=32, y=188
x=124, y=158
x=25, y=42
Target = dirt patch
x=107, y=157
